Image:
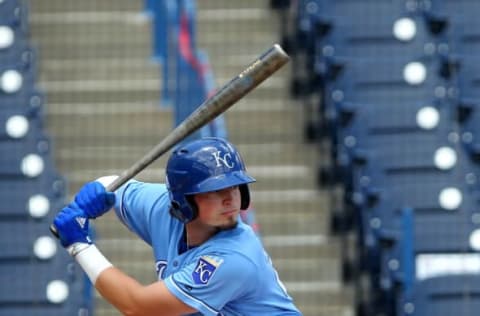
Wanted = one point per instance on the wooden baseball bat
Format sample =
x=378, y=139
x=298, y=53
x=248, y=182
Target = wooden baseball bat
x=262, y=68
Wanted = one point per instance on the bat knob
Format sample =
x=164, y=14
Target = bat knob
x=54, y=231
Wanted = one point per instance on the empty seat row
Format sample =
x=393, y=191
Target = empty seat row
x=395, y=83
x=38, y=277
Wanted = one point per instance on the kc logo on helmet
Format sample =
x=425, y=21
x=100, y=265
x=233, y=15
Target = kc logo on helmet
x=204, y=270
x=226, y=160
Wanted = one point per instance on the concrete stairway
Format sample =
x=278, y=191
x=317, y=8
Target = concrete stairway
x=103, y=114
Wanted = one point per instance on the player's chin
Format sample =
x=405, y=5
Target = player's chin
x=228, y=223
x=228, y=226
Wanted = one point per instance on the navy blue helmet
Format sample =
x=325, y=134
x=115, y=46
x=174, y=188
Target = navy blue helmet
x=204, y=165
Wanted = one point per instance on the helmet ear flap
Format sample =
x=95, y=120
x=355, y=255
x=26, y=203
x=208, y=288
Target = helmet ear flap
x=176, y=212
x=184, y=216
x=245, y=196
x=193, y=207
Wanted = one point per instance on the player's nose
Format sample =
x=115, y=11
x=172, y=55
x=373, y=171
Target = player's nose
x=229, y=194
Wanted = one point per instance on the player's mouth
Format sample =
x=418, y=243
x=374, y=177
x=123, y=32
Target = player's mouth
x=230, y=213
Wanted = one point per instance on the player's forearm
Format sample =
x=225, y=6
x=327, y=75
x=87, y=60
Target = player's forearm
x=114, y=285
x=120, y=290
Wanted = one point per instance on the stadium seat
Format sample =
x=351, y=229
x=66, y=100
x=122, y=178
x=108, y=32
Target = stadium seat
x=28, y=101
x=447, y=295
x=26, y=239
x=13, y=13
x=28, y=157
x=443, y=221
x=19, y=55
x=42, y=310
x=36, y=197
x=371, y=139
x=20, y=123
x=394, y=81
x=54, y=283
x=16, y=80
x=399, y=36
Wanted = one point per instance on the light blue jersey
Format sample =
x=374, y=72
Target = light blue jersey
x=230, y=274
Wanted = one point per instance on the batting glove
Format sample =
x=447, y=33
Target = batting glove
x=72, y=226
x=94, y=199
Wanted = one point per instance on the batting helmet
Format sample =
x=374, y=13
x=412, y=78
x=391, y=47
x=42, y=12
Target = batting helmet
x=204, y=165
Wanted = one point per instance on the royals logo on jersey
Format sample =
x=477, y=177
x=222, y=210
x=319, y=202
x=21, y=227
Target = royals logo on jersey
x=205, y=268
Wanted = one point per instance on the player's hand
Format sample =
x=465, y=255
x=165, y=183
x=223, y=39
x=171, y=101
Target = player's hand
x=94, y=199
x=72, y=225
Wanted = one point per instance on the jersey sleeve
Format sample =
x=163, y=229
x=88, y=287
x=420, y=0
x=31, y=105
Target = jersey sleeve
x=139, y=205
x=211, y=281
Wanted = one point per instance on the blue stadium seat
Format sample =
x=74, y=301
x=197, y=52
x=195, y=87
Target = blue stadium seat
x=42, y=310
x=12, y=40
x=394, y=81
x=468, y=100
x=456, y=21
x=348, y=39
x=20, y=123
x=361, y=120
x=386, y=88
x=376, y=11
x=18, y=76
x=443, y=296
x=28, y=157
x=439, y=227
x=20, y=55
x=21, y=236
x=27, y=100
x=370, y=143
x=457, y=12
x=308, y=14
x=35, y=197
x=30, y=284
x=409, y=172
x=400, y=153
x=14, y=13
x=393, y=78
x=468, y=78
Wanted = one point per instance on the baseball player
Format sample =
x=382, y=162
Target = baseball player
x=207, y=260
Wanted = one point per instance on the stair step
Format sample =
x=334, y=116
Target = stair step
x=84, y=155
x=92, y=6
x=98, y=129
x=91, y=22
x=93, y=51
x=99, y=69
x=245, y=4
x=292, y=223
x=155, y=125
x=123, y=88
x=255, y=24
x=301, y=273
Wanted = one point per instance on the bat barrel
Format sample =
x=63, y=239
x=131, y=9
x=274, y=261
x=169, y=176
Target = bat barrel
x=262, y=68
